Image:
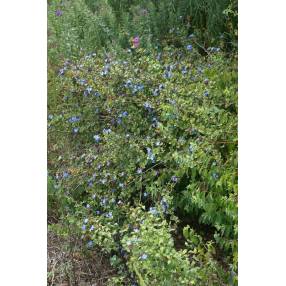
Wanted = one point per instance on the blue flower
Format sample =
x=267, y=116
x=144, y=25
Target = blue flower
x=106, y=131
x=213, y=49
x=90, y=182
x=97, y=212
x=103, y=201
x=150, y=155
x=189, y=47
x=153, y=211
x=169, y=67
x=174, y=179
x=97, y=94
x=94, y=196
x=140, y=87
x=75, y=130
x=82, y=81
x=128, y=83
x=91, y=228
x=88, y=206
x=119, y=120
x=147, y=106
x=143, y=256
x=215, y=176
x=172, y=101
x=154, y=122
x=96, y=138
x=50, y=116
x=83, y=227
x=184, y=70
x=145, y=194
x=161, y=86
x=164, y=205
x=124, y=114
x=66, y=175
x=90, y=244
x=206, y=93
x=105, y=70
x=139, y=171
x=156, y=92
x=74, y=119
x=109, y=215
x=206, y=81
x=167, y=74
x=62, y=71
x=135, y=89
x=87, y=91
x=85, y=220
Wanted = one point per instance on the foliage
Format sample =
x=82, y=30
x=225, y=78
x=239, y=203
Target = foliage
x=89, y=25
x=139, y=143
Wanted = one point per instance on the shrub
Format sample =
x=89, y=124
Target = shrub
x=145, y=141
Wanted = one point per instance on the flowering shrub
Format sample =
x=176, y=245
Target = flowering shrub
x=142, y=145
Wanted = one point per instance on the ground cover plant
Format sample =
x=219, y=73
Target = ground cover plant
x=142, y=153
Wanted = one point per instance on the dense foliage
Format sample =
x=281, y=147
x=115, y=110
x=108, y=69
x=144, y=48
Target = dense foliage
x=142, y=142
x=88, y=24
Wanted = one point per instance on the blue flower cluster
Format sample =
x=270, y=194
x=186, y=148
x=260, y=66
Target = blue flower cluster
x=74, y=119
x=121, y=115
x=82, y=81
x=164, y=205
x=213, y=49
x=106, y=70
x=133, y=86
x=150, y=155
x=106, y=131
x=148, y=106
x=87, y=91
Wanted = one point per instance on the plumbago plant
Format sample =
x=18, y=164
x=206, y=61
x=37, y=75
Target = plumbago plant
x=143, y=146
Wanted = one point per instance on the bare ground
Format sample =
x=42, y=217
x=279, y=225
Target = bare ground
x=69, y=264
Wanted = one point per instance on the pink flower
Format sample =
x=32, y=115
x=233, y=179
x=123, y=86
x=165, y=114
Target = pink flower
x=136, y=42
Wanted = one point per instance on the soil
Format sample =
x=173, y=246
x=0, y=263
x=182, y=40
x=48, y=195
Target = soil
x=70, y=265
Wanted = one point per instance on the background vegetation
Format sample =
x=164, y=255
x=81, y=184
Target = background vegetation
x=142, y=142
